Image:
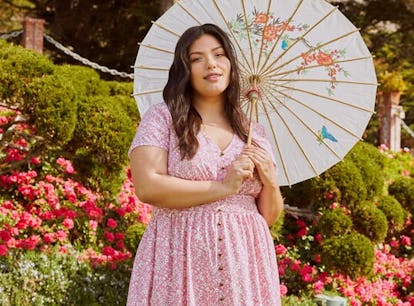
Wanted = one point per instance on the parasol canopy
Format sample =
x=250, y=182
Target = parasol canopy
x=314, y=78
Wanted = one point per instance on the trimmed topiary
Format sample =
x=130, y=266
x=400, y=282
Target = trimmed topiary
x=351, y=254
x=18, y=67
x=52, y=108
x=394, y=213
x=370, y=162
x=334, y=223
x=370, y=221
x=101, y=140
x=348, y=180
x=403, y=190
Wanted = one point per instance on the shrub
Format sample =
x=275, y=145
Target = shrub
x=403, y=190
x=52, y=107
x=351, y=254
x=370, y=221
x=348, y=180
x=66, y=111
x=133, y=236
x=394, y=213
x=370, y=163
x=277, y=227
x=35, y=278
x=100, y=142
x=18, y=67
x=334, y=223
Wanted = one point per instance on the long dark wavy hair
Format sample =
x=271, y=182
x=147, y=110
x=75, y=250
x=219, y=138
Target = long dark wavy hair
x=178, y=92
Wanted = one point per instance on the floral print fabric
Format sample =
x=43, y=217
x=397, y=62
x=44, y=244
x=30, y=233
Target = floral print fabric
x=219, y=253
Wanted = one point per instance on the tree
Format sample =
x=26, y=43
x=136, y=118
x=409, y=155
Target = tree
x=104, y=31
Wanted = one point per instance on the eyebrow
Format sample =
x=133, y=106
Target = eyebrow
x=199, y=52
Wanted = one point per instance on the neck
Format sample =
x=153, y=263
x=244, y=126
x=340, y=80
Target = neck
x=211, y=111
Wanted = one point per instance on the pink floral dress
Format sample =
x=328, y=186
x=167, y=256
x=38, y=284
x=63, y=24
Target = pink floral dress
x=219, y=253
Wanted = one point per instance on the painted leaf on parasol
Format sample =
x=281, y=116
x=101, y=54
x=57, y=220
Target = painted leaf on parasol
x=306, y=73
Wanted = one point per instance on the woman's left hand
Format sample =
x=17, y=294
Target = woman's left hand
x=264, y=165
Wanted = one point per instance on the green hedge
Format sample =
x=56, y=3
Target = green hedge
x=75, y=114
x=394, y=213
x=358, y=177
x=370, y=221
x=351, y=254
x=371, y=164
x=334, y=223
x=403, y=190
x=34, y=278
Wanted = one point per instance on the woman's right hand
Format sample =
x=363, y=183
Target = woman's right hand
x=241, y=169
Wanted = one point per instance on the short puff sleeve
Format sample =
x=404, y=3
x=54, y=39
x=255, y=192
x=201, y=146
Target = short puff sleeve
x=154, y=128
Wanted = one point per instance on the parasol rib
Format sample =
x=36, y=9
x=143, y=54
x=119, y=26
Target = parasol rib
x=267, y=72
x=295, y=42
x=276, y=142
x=325, y=81
x=328, y=98
x=150, y=68
x=248, y=36
x=142, y=93
x=188, y=12
x=319, y=65
x=319, y=113
x=165, y=28
x=307, y=126
x=269, y=4
x=293, y=135
x=235, y=40
x=280, y=35
x=155, y=48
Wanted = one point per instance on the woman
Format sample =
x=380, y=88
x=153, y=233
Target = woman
x=214, y=197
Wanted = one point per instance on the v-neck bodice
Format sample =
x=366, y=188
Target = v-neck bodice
x=210, y=163
x=209, y=139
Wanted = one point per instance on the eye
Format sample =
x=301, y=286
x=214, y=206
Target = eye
x=195, y=59
x=220, y=54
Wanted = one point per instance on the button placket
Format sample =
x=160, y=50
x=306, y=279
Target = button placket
x=220, y=256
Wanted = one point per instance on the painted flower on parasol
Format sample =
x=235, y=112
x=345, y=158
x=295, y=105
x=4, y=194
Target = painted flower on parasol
x=306, y=74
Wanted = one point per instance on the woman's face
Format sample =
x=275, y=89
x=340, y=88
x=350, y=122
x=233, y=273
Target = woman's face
x=210, y=67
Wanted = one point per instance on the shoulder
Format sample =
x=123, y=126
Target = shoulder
x=158, y=112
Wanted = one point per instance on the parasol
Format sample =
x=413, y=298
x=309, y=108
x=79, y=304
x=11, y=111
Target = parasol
x=310, y=77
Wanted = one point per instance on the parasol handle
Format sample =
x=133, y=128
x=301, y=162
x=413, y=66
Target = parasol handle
x=253, y=96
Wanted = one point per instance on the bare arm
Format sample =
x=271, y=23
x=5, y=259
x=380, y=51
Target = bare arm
x=270, y=201
x=153, y=185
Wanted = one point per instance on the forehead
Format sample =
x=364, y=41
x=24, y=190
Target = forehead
x=205, y=43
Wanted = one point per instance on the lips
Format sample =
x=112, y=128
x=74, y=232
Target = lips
x=212, y=76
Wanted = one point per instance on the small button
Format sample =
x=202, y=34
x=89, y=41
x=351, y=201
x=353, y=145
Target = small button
x=220, y=268
x=219, y=223
x=219, y=254
x=221, y=153
x=221, y=284
x=219, y=210
x=222, y=168
x=221, y=299
x=220, y=239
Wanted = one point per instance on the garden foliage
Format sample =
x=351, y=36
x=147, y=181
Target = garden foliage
x=70, y=111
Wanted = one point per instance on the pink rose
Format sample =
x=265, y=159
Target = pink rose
x=112, y=223
x=283, y=289
x=68, y=223
x=61, y=235
x=280, y=249
x=3, y=250
x=109, y=236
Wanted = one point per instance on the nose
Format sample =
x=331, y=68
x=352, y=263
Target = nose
x=211, y=62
